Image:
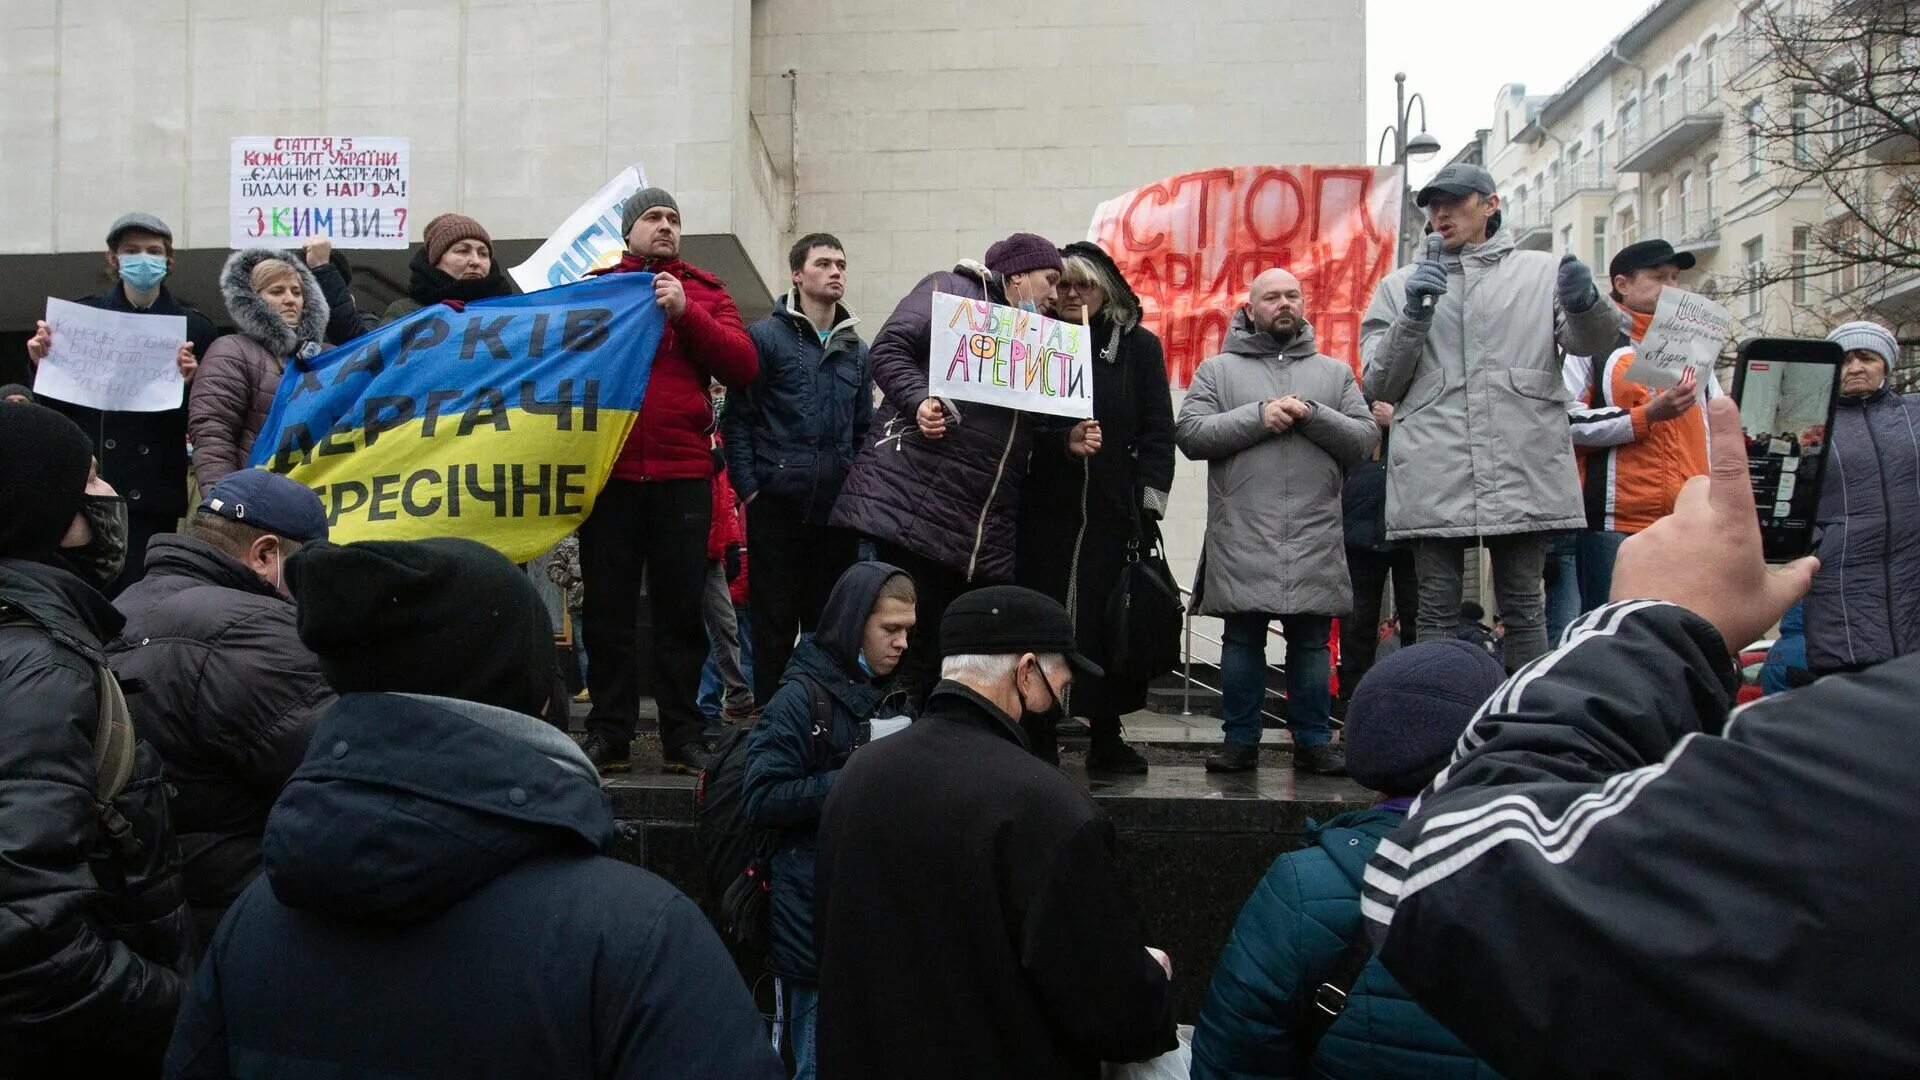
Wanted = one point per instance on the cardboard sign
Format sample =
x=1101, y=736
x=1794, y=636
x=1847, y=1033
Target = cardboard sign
x=114, y=360
x=1688, y=331
x=1008, y=356
x=1190, y=246
x=588, y=240
x=287, y=189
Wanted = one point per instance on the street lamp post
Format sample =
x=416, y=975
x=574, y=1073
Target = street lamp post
x=1422, y=145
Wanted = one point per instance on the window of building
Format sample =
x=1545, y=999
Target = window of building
x=1629, y=227
x=1801, y=236
x=1660, y=213
x=1802, y=127
x=1599, y=241
x=1710, y=187
x=1756, y=116
x=1711, y=77
x=1629, y=126
x=1566, y=238
x=1600, y=148
x=1662, y=112
x=1683, y=74
x=1686, y=204
x=1754, y=253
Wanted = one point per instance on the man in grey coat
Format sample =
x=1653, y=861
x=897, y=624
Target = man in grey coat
x=1466, y=346
x=1278, y=424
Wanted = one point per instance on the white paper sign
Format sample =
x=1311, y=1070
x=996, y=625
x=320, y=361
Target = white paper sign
x=115, y=360
x=1003, y=355
x=286, y=189
x=1688, y=330
x=589, y=238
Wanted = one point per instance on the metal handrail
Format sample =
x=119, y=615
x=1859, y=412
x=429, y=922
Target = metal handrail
x=1188, y=682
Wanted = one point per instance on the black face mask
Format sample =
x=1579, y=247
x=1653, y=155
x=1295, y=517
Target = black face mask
x=100, y=560
x=1041, y=719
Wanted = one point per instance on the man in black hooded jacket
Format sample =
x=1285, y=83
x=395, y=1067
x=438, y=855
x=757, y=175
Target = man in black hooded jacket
x=435, y=898
x=94, y=932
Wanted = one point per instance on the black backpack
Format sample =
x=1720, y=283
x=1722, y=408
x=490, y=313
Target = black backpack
x=735, y=854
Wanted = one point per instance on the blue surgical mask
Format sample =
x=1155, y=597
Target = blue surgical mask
x=143, y=272
x=864, y=666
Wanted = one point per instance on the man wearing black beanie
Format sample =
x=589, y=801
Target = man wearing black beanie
x=441, y=835
x=96, y=936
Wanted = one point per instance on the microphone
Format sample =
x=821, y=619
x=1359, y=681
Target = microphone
x=1434, y=247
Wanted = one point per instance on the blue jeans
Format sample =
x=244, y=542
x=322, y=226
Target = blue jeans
x=1563, y=586
x=579, y=643
x=1243, y=677
x=800, y=1010
x=1597, y=550
x=712, y=687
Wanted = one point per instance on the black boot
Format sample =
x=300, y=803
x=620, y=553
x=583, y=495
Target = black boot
x=1235, y=757
x=1324, y=760
x=1109, y=753
x=607, y=757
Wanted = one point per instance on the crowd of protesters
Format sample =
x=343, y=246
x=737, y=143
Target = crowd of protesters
x=245, y=767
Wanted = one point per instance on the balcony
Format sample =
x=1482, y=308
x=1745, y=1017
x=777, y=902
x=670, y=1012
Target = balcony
x=1698, y=233
x=1585, y=178
x=1531, y=222
x=1674, y=124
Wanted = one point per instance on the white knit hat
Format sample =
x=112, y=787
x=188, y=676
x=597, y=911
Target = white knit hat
x=1869, y=336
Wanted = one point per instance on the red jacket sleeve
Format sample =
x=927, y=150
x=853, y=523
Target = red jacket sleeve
x=710, y=334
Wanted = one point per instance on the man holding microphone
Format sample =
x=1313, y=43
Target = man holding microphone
x=1466, y=346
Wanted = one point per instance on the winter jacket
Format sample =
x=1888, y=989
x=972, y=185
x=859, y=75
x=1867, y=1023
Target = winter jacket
x=969, y=916
x=793, y=433
x=1078, y=515
x=1631, y=468
x=1786, y=664
x=234, y=389
x=144, y=454
x=727, y=536
x=1292, y=936
x=1274, y=542
x=436, y=901
x=955, y=500
x=428, y=285
x=1865, y=603
x=345, y=320
x=673, y=439
x=789, y=773
x=1363, y=502
x=1616, y=878
x=228, y=696
x=1480, y=443
x=95, y=936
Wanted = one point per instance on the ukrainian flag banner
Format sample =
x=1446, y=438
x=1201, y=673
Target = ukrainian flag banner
x=499, y=423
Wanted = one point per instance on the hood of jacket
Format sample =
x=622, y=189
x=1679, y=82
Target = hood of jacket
x=1127, y=300
x=73, y=611
x=428, y=284
x=173, y=555
x=252, y=316
x=1485, y=253
x=843, y=320
x=1244, y=340
x=630, y=263
x=841, y=633
x=407, y=803
x=1337, y=838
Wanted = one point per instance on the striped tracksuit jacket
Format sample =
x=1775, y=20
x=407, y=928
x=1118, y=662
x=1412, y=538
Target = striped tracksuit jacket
x=1615, y=877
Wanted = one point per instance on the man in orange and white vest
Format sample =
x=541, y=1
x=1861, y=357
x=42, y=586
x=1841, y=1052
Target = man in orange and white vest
x=1636, y=446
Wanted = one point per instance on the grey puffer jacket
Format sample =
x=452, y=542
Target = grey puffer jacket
x=1480, y=444
x=234, y=388
x=1274, y=536
x=1865, y=604
x=955, y=500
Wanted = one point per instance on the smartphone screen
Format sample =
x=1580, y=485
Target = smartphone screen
x=1786, y=388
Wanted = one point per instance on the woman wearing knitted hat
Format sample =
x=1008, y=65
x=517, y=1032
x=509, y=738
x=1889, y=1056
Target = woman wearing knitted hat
x=937, y=488
x=278, y=312
x=1865, y=604
x=1269, y=1011
x=454, y=262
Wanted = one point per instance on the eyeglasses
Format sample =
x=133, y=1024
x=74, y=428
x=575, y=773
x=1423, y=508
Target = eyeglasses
x=1079, y=286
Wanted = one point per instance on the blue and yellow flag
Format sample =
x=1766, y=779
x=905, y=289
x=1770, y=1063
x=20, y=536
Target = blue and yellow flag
x=499, y=423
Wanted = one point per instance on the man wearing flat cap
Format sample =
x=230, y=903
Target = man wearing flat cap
x=1636, y=445
x=229, y=695
x=968, y=915
x=1466, y=346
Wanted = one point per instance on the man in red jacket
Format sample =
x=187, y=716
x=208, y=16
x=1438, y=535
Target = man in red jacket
x=655, y=511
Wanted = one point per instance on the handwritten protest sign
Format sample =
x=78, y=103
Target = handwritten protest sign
x=589, y=238
x=1688, y=331
x=112, y=359
x=1008, y=356
x=500, y=423
x=1190, y=245
x=286, y=189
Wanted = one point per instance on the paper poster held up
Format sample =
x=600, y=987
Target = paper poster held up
x=113, y=360
x=1007, y=356
x=1688, y=331
x=286, y=189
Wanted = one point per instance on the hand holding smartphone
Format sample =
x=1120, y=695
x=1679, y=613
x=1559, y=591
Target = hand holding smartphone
x=1787, y=389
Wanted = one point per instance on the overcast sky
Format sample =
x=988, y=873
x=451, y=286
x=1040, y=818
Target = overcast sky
x=1458, y=55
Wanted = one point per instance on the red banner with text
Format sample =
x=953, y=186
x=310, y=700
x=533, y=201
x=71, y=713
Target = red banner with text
x=1190, y=245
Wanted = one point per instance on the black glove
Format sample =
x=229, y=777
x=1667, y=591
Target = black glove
x=733, y=561
x=1575, y=289
x=1428, y=283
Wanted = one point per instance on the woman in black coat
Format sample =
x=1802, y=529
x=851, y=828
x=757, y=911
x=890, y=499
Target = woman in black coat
x=1079, y=515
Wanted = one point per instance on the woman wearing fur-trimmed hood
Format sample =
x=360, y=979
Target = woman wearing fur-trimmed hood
x=278, y=312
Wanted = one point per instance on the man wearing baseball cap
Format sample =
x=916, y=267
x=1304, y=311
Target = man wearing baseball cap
x=143, y=455
x=1466, y=346
x=968, y=915
x=1636, y=446
x=230, y=694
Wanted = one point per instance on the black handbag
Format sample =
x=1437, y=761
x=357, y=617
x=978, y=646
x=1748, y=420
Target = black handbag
x=1144, y=612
